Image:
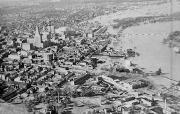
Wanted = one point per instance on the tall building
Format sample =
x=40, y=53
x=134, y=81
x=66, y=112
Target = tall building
x=51, y=29
x=38, y=39
x=45, y=35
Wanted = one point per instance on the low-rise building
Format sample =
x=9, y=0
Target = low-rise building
x=27, y=46
x=48, y=57
x=146, y=101
x=14, y=56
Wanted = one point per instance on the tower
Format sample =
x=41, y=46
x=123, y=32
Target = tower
x=37, y=39
x=51, y=28
x=44, y=35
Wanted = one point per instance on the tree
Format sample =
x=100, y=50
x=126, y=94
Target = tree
x=2, y=87
x=94, y=62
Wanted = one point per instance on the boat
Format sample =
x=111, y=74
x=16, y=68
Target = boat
x=117, y=54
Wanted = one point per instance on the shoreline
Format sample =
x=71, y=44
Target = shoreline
x=119, y=31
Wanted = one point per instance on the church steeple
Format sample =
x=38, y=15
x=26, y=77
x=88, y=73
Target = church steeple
x=37, y=33
x=37, y=38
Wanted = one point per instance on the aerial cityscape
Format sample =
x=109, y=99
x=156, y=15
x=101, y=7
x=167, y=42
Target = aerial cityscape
x=89, y=56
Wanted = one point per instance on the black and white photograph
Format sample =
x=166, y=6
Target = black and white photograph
x=89, y=56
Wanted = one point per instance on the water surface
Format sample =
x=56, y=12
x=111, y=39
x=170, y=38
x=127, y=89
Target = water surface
x=148, y=41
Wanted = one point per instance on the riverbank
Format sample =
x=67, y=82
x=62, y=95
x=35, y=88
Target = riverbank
x=147, y=38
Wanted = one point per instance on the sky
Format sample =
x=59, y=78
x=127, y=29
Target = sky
x=11, y=0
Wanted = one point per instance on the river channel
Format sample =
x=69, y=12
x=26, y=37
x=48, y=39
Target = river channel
x=147, y=39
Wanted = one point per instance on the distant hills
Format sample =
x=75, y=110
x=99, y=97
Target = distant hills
x=5, y=3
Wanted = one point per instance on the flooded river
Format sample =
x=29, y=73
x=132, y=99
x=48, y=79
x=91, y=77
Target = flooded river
x=153, y=54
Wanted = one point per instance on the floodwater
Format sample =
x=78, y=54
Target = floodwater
x=153, y=54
